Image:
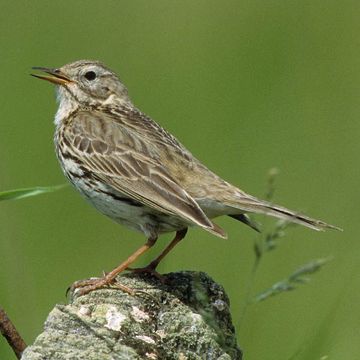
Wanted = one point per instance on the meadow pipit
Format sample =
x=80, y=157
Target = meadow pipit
x=134, y=171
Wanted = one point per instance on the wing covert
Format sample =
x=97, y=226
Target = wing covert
x=120, y=160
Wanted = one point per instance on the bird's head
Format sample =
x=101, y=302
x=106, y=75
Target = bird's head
x=86, y=82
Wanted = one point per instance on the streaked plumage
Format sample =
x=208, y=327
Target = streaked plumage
x=133, y=170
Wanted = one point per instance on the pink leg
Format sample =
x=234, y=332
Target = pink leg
x=85, y=286
x=152, y=266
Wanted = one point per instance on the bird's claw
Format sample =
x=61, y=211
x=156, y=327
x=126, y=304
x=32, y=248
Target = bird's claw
x=83, y=287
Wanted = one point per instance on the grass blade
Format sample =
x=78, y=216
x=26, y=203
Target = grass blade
x=296, y=278
x=27, y=192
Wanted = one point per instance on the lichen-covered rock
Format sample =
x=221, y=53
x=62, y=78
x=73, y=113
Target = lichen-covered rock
x=185, y=318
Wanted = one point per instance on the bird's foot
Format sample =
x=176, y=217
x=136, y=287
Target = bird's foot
x=83, y=287
x=149, y=269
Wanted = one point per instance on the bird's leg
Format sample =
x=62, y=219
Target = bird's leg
x=85, y=286
x=152, y=266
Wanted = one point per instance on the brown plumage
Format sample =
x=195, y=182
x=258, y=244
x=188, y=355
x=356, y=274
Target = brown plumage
x=134, y=171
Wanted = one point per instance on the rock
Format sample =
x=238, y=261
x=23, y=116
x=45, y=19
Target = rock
x=184, y=318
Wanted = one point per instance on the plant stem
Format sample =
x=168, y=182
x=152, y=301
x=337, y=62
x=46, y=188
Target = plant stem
x=250, y=285
x=8, y=330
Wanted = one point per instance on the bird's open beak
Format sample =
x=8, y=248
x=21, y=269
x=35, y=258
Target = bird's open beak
x=56, y=76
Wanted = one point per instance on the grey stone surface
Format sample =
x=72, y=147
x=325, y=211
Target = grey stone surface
x=186, y=318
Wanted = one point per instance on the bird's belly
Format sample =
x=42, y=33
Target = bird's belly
x=133, y=214
x=123, y=209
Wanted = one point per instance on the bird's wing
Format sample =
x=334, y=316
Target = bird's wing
x=122, y=162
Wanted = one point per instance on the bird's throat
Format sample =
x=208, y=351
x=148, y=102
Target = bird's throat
x=67, y=105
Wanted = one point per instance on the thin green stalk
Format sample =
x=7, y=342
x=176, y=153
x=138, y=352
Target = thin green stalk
x=249, y=289
x=260, y=246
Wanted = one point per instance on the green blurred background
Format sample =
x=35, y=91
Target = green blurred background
x=246, y=85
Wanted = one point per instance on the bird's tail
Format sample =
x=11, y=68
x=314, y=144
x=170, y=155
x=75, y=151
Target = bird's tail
x=247, y=203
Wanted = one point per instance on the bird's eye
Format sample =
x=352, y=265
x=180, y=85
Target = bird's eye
x=90, y=75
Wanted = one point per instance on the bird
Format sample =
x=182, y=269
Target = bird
x=135, y=172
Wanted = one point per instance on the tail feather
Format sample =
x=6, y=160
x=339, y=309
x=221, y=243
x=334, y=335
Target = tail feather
x=301, y=219
x=254, y=205
x=246, y=220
